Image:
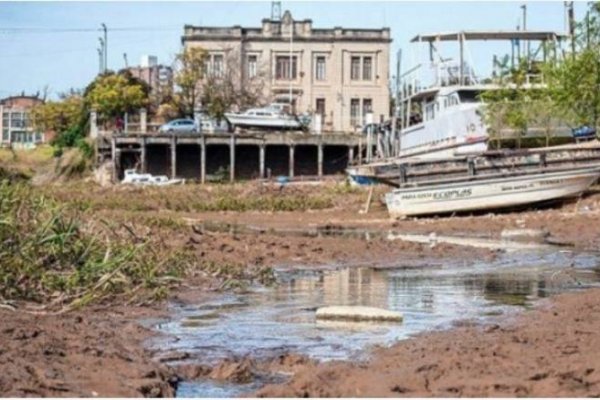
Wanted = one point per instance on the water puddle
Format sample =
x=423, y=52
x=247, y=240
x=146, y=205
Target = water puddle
x=268, y=322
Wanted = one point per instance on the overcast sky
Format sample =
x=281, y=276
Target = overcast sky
x=55, y=44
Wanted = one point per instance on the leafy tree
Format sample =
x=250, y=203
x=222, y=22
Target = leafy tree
x=189, y=71
x=514, y=105
x=575, y=83
x=59, y=116
x=113, y=94
x=575, y=88
x=231, y=88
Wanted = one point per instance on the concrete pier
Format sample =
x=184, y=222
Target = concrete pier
x=205, y=157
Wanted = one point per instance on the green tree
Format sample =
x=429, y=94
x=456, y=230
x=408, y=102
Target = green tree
x=574, y=87
x=189, y=71
x=112, y=95
x=59, y=116
x=515, y=105
x=574, y=84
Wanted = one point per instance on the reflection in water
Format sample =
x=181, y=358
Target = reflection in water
x=273, y=321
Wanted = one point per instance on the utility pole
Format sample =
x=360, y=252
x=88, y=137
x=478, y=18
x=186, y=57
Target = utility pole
x=105, y=46
x=125, y=58
x=571, y=14
x=102, y=59
x=527, y=47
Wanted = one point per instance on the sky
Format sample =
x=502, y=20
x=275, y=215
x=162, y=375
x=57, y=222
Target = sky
x=54, y=45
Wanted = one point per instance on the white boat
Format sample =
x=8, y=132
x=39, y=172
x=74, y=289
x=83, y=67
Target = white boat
x=132, y=177
x=487, y=193
x=440, y=106
x=267, y=117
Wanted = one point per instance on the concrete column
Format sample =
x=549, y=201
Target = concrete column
x=143, y=120
x=113, y=156
x=173, y=157
x=369, y=144
x=320, y=159
x=143, y=167
x=291, y=172
x=261, y=160
x=350, y=154
x=203, y=160
x=93, y=125
x=360, y=151
x=232, y=158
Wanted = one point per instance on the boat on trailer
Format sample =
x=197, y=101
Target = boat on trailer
x=485, y=193
x=271, y=117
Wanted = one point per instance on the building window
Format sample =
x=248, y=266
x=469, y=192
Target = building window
x=320, y=68
x=367, y=68
x=5, y=135
x=354, y=112
x=252, y=66
x=355, y=68
x=283, y=70
x=218, y=65
x=320, y=107
x=367, y=108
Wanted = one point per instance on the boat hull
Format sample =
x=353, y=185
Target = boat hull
x=262, y=122
x=489, y=193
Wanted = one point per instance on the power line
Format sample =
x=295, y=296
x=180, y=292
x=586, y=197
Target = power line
x=26, y=30
x=118, y=45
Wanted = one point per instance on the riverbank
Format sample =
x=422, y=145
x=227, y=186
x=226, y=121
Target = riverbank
x=551, y=351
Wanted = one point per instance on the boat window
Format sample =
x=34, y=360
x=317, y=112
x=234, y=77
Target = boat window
x=468, y=96
x=429, y=111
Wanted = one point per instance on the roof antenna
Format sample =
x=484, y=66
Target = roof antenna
x=276, y=11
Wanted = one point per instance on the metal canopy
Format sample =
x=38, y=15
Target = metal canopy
x=489, y=35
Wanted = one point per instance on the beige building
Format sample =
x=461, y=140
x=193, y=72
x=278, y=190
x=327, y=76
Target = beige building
x=340, y=73
x=15, y=125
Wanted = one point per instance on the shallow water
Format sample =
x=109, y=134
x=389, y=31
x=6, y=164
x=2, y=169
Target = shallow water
x=268, y=322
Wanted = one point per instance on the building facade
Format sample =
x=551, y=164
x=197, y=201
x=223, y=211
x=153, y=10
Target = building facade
x=341, y=74
x=15, y=125
x=158, y=77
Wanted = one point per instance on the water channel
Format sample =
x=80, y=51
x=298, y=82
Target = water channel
x=267, y=322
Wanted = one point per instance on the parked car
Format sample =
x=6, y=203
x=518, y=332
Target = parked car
x=183, y=125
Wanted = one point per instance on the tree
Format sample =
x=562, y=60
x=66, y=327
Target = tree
x=113, y=94
x=232, y=88
x=189, y=71
x=574, y=84
x=59, y=116
x=514, y=105
x=575, y=88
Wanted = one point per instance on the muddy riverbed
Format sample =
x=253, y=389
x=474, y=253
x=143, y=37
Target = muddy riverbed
x=225, y=342
x=266, y=323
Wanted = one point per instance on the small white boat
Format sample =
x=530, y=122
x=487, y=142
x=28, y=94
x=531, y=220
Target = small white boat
x=134, y=178
x=490, y=193
x=267, y=117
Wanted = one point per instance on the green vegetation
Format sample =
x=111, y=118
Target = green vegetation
x=189, y=71
x=63, y=254
x=570, y=92
x=112, y=95
x=51, y=255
